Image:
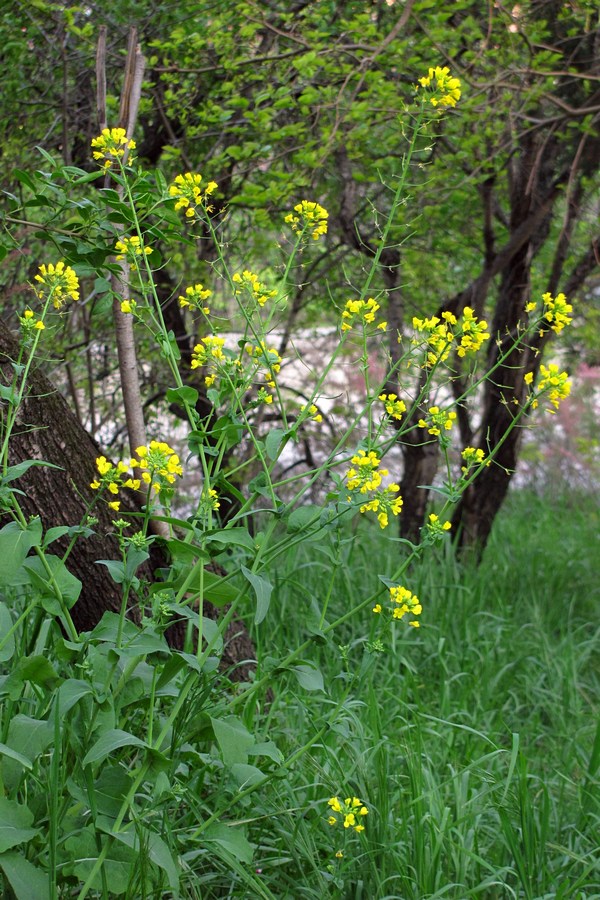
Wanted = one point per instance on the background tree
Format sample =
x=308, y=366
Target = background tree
x=277, y=101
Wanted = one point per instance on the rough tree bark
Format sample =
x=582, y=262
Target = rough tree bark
x=48, y=430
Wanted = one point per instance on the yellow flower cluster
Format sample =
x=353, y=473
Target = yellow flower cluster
x=58, y=282
x=556, y=312
x=443, y=89
x=402, y=601
x=435, y=527
x=112, y=478
x=472, y=333
x=209, y=351
x=366, y=478
x=437, y=421
x=312, y=413
x=351, y=812
x=393, y=407
x=111, y=145
x=553, y=383
x=30, y=323
x=441, y=334
x=194, y=298
x=310, y=216
x=159, y=464
x=249, y=282
x=269, y=360
x=190, y=195
x=361, y=311
x=473, y=457
x=131, y=249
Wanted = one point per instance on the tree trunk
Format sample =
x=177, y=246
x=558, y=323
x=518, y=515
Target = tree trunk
x=48, y=430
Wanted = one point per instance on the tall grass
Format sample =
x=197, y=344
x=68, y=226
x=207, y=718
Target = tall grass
x=474, y=740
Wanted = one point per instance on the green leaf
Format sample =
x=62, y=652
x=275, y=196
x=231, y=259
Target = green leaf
x=53, y=534
x=35, y=669
x=232, y=839
x=268, y=749
x=119, y=862
x=183, y=395
x=29, y=737
x=115, y=567
x=246, y=775
x=239, y=537
x=309, y=677
x=110, y=789
x=15, y=824
x=273, y=442
x=304, y=518
x=68, y=585
x=12, y=754
x=70, y=692
x=233, y=738
x=7, y=639
x=14, y=472
x=109, y=741
x=15, y=544
x=263, y=590
x=27, y=881
x=153, y=845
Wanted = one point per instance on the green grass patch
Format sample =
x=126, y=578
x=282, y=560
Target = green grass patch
x=473, y=740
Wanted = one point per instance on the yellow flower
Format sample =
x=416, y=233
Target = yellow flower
x=437, y=421
x=29, y=323
x=556, y=311
x=194, y=298
x=131, y=248
x=111, y=145
x=311, y=217
x=249, y=283
x=442, y=88
x=349, y=810
x=393, y=407
x=190, y=194
x=554, y=384
x=404, y=601
x=58, y=282
x=360, y=312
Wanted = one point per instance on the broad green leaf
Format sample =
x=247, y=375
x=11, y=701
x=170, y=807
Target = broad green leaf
x=304, y=518
x=239, y=537
x=154, y=846
x=268, y=749
x=15, y=544
x=246, y=775
x=110, y=789
x=232, y=839
x=273, y=442
x=16, y=471
x=12, y=754
x=29, y=737
x=119, y=863
x=27, y=881
x=115, y=567
x=110, y=741
x=53, y=534
x=68, y=584
x=15, y=824
x=183, y=395
x=309, y=677
x=7, y=639
x=233, y=738
x=36, y=669
x=263, y=590
x=70, y=692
